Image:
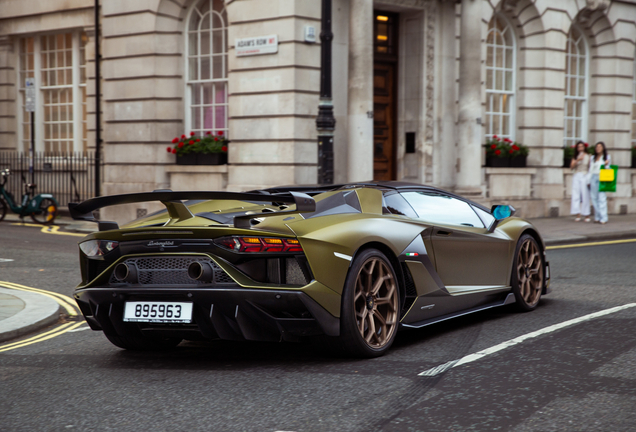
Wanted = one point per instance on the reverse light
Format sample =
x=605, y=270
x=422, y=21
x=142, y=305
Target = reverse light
x=259, y=244
x=97, y=248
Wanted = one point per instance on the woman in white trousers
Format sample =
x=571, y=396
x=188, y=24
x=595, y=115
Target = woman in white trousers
x=600, y=160
x=580, y=192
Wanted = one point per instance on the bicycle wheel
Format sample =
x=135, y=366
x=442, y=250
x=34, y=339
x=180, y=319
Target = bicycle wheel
x=3, y=209
x=47, y=212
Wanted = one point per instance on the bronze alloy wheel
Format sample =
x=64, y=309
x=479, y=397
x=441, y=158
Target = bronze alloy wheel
x=528, y=273
x=376, y=302
x=370, y=306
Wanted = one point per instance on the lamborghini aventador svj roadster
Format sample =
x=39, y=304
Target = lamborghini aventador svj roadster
x=354, y=263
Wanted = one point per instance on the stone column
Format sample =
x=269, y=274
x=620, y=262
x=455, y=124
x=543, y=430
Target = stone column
x=469, y=128
x=360, y=101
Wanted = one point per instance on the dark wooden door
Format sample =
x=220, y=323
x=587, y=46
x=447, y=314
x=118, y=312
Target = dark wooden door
x=383, y=121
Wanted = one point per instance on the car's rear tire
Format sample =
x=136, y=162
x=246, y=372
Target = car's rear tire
x=369, y=316
x=528, y=273
x=143, y=344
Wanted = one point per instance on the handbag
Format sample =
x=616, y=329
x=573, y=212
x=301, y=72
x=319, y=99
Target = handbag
x=608, y=185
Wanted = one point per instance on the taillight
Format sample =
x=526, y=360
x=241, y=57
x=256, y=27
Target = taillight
x=259, y=244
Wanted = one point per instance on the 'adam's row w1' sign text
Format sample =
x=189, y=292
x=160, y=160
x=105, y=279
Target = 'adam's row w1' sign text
x=256, y=45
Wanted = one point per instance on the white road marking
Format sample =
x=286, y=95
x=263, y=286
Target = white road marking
x=79, y=329
x=5, y=260
x=512, y=342
x=343, y=256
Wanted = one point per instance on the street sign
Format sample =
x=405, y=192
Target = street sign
x=256, y=45
x=29, y=84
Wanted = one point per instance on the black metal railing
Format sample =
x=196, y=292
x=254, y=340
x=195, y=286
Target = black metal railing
x=70, y=177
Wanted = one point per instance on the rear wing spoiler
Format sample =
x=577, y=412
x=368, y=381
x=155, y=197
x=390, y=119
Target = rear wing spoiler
x=178, y=211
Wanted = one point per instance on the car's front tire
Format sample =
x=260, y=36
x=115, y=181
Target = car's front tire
x=369, y=316
x=528, y=273
x=143, y=344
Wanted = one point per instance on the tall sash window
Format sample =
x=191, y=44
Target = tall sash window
x=206, y=68
x=576, y=82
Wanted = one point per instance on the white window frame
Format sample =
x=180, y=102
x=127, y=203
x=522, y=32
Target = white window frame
x=79, y=140
x=584, y=117
x=188, y=82
x=490, y=90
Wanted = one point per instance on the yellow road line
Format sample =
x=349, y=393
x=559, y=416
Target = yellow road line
x=49, y=229
x=66, y=302
x=59, y=331
x=600, y=243
x=35, y=338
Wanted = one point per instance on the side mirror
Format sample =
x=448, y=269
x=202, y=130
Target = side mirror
x=502, y=211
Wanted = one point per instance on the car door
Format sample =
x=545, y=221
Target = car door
x=468, y=258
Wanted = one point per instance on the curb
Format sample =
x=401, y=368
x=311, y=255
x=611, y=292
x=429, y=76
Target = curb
x=39, y=311
x=618, y=235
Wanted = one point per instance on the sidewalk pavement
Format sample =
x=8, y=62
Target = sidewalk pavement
x=23, y=312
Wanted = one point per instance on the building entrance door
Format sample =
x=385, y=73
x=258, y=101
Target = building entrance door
x=384, y=99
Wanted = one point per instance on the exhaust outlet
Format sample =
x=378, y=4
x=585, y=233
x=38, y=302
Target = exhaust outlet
x=200, y=271
x=125, y=273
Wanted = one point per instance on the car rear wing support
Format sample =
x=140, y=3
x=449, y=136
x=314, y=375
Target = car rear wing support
x=178, y=211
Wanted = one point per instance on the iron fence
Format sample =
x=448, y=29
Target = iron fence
x=70, y=177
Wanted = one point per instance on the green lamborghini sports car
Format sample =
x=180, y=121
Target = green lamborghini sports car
x=353, y=263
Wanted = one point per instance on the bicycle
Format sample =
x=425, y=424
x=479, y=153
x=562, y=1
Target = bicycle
x=42, y=207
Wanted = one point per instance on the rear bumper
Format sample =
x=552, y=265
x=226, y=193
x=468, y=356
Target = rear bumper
x=231, y=312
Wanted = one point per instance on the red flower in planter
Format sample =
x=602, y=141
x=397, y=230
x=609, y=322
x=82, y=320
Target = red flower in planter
x=169, y=149
x=180, y=145
x=174, y=151
x=586, y=145
x=183, y=136
x=511, y=151
x=191, y=142
x=224, y=149
x=508, y=140
x=515, y=147
x=497, y=152
x=216, y=139
x=208, y=133
x=198, y=140
x=176, y=140
x=191, y=133
x=493, y=146
x=220, y=132
x=495, y=137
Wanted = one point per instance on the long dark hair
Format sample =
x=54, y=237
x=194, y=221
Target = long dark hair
x=576, y=148
x=604, y=150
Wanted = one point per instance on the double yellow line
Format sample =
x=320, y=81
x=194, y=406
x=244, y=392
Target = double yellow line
x=49, y=229
x=64, y=301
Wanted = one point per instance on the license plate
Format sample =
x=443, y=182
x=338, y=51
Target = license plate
x=158, y=312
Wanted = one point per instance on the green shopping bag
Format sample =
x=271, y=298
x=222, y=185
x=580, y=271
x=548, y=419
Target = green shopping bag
x=609, y=186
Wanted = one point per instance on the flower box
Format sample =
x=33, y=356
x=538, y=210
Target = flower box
x=211, y=158
x=208, y=149
x=518, y=161
x=633, y=161
x=566, y=162
x=187, y=159
x=497, y=162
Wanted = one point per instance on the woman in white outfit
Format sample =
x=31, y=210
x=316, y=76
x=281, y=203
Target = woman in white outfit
x=600, y=160
x=580, y=193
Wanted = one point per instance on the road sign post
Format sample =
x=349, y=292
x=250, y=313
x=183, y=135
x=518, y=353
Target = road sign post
x=30, y=95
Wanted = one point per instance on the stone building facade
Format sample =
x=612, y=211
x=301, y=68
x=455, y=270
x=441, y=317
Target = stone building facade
x=419, y=86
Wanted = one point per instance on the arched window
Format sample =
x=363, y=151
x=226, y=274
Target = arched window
x=500, y=79
x=576, y=71
x=206, y=67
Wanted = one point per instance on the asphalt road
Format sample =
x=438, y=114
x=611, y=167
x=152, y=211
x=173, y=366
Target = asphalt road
x=579, y=378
